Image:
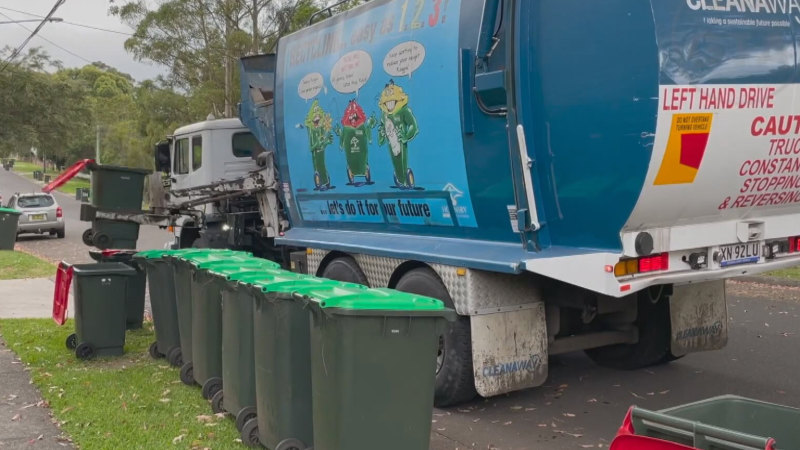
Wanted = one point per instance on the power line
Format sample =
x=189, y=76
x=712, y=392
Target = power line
x=40, y=36
x=83, y=25
x=33, y=33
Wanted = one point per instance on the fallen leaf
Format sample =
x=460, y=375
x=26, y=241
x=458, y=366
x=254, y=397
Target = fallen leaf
x=178, y=439
x=568, y=415
x=202, y=418
x=516, y=408
x=15, y=418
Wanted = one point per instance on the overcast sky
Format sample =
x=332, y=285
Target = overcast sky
x=80, y=45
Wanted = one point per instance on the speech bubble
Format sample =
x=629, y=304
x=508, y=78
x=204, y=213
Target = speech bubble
x=404, y=59
x=310, y=86
x=351, y=72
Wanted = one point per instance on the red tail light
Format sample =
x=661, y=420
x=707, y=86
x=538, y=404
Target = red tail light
x=59, y=212
x=794, y=244
x=654, y=263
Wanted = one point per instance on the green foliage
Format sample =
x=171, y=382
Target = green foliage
x=130, y=401
x=62, y=112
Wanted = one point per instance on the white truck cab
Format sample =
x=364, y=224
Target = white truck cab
x=206, y=152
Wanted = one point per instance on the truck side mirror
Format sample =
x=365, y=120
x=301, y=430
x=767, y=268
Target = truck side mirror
x=162, y=159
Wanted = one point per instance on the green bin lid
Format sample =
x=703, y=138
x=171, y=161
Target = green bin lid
x=224, y=267
x=197, y=258
x=373, y=300
x=10, y=211
x=162, y=252
x=248, y=275
x=303, y=285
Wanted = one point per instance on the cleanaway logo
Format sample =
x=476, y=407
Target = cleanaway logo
x=774, y=7
x=704, y=331
x=530, y=364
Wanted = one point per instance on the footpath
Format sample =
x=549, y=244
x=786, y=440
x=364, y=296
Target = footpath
x=25, y=419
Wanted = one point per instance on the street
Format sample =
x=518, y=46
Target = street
x=581, y=405
x=71, y=248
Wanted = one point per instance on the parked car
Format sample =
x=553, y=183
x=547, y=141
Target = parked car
x=40, y=214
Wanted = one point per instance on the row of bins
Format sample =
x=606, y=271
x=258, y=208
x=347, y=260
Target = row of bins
x=297, y=361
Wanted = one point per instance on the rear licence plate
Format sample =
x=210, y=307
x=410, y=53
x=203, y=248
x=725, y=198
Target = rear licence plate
x=37, y=217
x=731, y=255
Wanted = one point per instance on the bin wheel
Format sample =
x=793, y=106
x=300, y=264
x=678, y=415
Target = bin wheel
x=72, y=341
x=154, y=353
x=291, y=444
x=345, y=269
x=654, y=339
x=87, y=237
x=244, y=415
x=249, y=433
x=84, y=351
x=211, y=387
x=175, y=357
x=101, y=241
x=217, y=402
x=455, y=380
x=187, y=374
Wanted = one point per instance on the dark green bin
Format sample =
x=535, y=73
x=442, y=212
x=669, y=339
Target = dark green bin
x=373, y=358
x=238, y=396
x=161, y=284
x=114, y=234
x=183, y=266
x=208, y=281
x=117, y=188
x=99, y=309
x=8, y=228
x=731, y=422
x=283, y=363
x=134, y=295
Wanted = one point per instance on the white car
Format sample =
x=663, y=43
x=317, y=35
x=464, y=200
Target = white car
x=40, y=214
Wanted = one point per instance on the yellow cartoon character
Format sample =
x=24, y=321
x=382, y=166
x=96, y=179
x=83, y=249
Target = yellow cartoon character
x=398, y=126
x=319, y=124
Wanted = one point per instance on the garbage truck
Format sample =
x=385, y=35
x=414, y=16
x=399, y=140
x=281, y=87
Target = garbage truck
x=568, y=175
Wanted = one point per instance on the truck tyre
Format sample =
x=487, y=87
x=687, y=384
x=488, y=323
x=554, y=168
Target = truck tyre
x=346, y=269
x=455, y=381
x=654, y=339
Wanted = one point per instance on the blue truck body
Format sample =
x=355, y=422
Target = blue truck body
x=593, y=157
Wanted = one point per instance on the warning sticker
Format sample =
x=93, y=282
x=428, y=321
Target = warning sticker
x=686, y=147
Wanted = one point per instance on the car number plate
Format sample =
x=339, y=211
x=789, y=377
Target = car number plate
x=731, y=255
x=38, y=217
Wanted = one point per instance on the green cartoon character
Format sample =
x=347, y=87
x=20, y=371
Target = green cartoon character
x=398, y=126
x=355, y=135
x=318, y=123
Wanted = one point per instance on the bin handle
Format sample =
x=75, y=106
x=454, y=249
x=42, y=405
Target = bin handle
x=386, y=325
x=702, y=434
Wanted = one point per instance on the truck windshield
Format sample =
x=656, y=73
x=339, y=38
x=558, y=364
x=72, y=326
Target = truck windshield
x=245, y=145
x=181, y=156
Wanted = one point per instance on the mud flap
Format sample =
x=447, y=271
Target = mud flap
x=699, y=315
x=509, y=350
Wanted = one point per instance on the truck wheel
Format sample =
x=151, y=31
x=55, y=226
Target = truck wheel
x=654, y=338
x=346, y=269
x=455, y=381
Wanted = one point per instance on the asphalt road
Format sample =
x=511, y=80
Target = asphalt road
x=581, y=405
x=71, y=248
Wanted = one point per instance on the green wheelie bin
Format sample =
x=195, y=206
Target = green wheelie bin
x=208, y=281
x=727, y=422
x=117, y=188
x=238, y=395
x=183, y=266
x=373, y=358
x=161, y=284
x=8, y=228
x=99, y=309
x=283, y=363
x=134, y=297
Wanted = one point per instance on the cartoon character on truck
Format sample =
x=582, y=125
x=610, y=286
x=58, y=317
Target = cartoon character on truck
x=398, y=127
x=318, y=123
x=355, y=135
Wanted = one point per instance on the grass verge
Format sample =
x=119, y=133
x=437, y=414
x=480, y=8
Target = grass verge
x=130, y=401
x=15, y=265
x=792, y=273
